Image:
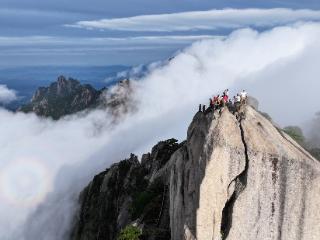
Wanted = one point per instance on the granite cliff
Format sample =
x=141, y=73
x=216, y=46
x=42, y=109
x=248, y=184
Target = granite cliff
x=231, y=179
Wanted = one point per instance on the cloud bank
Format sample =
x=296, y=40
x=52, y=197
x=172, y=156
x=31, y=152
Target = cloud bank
x=7, y=95
x=59, y=158
x=38, y=50
x=203, y=20
x=108, y=41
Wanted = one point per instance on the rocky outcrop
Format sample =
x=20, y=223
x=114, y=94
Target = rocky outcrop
x=243, y=180
x=118, y=100
x=281, y=198
x=205, y=176
x=106, y=201
x=128, y=192
x=65, y=96
x=231, y=179
x=68, y=96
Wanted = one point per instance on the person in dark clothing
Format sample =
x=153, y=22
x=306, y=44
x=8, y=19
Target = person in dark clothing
x=237, y=102
x=211, y=104
x=230, y=106
x=216, y=101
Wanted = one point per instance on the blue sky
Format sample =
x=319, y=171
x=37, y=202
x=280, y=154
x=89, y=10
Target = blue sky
x=97, y=32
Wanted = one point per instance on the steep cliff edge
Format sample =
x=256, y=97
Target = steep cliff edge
x=128, y=191
x=204, y=175
x=243, y=180
x=230, y=179
x=282, y=196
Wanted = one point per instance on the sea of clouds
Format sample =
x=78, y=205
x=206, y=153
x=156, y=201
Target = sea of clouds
x=44, y=164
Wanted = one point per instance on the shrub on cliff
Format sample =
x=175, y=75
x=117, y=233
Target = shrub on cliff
x=296, y=133
x=130, y=233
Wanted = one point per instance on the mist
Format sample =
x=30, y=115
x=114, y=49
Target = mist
x=44, y=164
x=7, y=95
x=312, y=131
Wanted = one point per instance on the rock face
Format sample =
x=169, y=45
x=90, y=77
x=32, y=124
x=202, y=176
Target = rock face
x=128, y=191
x=205, y=176
x=244, y=180
x=105, y=202
x=282, y=195
x=229, y=180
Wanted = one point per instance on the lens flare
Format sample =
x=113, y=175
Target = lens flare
x=25, y=182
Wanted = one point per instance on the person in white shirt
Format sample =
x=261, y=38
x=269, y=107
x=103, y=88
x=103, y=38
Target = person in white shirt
x=243, y=95
x=237, y=98
x=226, y=92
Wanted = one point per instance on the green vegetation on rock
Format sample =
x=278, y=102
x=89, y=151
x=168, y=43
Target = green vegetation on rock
x=144, y=198
x=296, y=133
x=130, y=233
x=315, y=152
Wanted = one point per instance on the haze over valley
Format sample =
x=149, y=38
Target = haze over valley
x=96, y=86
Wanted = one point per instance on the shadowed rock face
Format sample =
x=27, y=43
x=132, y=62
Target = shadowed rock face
x=65, y=96
x=68, y=96
x=230, y=179
x=243, y=180
x=127, y=192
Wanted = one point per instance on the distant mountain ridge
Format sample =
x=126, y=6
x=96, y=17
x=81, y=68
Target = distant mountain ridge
x=26, y=79
x=68, y=96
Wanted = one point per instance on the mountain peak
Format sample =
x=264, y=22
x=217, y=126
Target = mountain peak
x=231, y=179
x=61, y=79
x=65, y=96
x=68, y=96
x=63, y=86
x=243, y=177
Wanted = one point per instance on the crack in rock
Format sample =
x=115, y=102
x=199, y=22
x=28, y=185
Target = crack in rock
x=240, y=184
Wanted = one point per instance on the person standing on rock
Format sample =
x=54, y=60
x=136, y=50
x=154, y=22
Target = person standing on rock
x=230, y=106
x=224, y=100
x=237, y=102
x=243, y=95
x=220, y=101
x=216, y=101
x=211, y=103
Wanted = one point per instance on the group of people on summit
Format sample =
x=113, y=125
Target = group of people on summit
x=220, y=101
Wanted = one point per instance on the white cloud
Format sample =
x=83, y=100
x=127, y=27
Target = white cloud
x=7, y=95
x=63, y=156
x=108, y=41
x=46, y=46
x=203, y=20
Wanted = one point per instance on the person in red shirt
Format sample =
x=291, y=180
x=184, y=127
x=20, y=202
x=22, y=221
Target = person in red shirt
x=225, y=98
